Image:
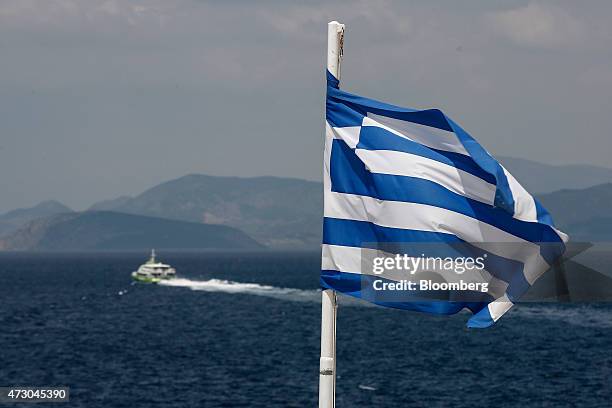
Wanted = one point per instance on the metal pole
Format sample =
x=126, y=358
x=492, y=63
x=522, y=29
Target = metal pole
x=327, y=364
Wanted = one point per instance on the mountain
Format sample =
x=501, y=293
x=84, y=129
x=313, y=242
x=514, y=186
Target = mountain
x=286, y=213
x=13, y=220
x=279, y=212
x=596, y=229
x=103, y=230
x=109, y=205
x=545, y=178
x=583, y=213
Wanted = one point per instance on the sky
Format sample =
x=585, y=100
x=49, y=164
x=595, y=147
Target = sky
x=106, y=98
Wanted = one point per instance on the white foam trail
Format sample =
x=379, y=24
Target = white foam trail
x=578, y=315
x=225, y=286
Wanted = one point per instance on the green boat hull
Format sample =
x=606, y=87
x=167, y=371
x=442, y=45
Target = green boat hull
x=147, y=279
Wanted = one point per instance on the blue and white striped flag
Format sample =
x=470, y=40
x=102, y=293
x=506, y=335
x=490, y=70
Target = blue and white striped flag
x=397, y=177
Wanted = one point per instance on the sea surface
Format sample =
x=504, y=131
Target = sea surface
x=242, y=330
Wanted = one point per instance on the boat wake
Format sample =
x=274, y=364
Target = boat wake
x=579, y=315
x=225, y=286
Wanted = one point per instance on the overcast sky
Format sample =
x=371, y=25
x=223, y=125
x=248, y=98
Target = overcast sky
x=105, y=98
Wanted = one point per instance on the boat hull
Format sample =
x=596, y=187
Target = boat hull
x=148, y=279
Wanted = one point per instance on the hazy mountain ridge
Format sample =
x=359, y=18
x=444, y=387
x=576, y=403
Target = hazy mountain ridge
x=539, y=178
x=109, y=205
x=595, y=229
x=104, y=230
x=286, y=213
x=276, y=211
x=583, y=213
x=13, y=220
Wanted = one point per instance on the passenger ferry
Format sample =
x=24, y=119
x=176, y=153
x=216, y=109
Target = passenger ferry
x=153, y=271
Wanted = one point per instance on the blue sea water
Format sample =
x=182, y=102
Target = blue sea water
x=242, y=330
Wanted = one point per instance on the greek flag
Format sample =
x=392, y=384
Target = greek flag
x=397, y=180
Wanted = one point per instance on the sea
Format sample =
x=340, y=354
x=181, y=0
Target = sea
x=242, y=330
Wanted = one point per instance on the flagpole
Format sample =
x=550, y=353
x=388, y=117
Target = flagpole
x=327, y=363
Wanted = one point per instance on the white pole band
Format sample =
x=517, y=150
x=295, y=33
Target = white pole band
x=335, y=42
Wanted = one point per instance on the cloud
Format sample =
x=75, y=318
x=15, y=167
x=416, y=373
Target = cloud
x=119, y=81
x=300, y=20
x=538, y=25
x=74, y=15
